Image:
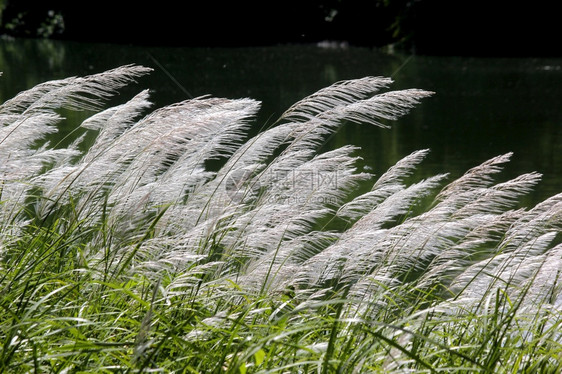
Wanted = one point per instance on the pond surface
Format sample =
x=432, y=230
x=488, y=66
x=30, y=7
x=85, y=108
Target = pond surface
x=482, y=107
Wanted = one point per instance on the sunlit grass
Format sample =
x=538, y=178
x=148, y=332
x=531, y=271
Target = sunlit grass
x=133, y=256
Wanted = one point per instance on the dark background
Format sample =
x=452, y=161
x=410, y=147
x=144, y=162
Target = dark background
x=438, y=27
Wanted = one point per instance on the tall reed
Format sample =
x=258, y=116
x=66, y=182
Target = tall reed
x=138, y=254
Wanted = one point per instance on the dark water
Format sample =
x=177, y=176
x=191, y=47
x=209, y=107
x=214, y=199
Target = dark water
x=483, y=107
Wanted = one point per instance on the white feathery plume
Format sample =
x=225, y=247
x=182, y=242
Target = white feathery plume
x=297, y=149
x=398, y=204
x=387, y=184
x=33, y=117
x=363, y=245
x=275, y=269
x=544, y=285
x=385, y=106
x=181, y=139
x=97, y=165
x=480, y=176
x=339, y=93
x=500, y=197
x=113, y=122
x=401, y=170
x=544, y=217
x=74, y=93
x=485, y=234
x=275, y=216
x=500, y=271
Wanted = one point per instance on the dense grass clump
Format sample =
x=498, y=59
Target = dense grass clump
x=134, y=254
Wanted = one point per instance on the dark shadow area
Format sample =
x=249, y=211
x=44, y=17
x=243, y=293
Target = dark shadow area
x=439, y=27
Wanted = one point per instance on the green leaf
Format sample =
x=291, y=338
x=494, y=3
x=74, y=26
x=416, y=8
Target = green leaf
x=259, y=356
x=242, y=368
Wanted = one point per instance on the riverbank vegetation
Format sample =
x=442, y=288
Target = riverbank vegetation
x=178, y=239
